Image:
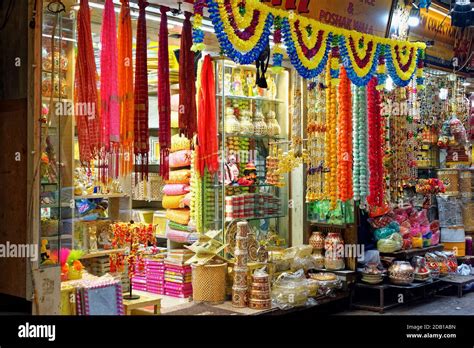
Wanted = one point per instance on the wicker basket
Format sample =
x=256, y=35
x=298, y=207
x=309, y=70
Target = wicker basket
x=209, y=282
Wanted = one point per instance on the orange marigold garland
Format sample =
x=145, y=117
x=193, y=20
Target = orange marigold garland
x=331, y=139
x=344, y=153
x=376, y=180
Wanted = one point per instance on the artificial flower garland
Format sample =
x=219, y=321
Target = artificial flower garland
x=344, y=153
x=243, y=28
x=360, y=144
x=277, y=48
x=376, y=181
x=198, y=33
x=330, y=179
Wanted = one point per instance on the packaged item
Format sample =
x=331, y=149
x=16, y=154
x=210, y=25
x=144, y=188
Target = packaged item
x=390, y=244
x=290, y=290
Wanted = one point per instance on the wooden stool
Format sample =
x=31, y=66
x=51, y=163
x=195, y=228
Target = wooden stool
x=146, y=299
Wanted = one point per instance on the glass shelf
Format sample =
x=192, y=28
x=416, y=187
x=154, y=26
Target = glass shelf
x=264, y=99
x=254, y=136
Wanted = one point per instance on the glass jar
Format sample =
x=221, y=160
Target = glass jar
x=317, y=240
x=273, y=128
x=260, y=127
x=232, y=125
x=246, y=125
x=318, y=259
x=333, y=262
x=333, y=239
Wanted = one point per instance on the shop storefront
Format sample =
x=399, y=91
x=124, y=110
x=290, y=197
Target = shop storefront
x=246, y=156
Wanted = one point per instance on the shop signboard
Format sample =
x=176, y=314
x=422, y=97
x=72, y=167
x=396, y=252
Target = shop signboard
x=366, y=16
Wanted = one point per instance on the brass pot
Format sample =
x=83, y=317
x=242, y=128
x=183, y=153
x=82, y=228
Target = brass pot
x=401, y=273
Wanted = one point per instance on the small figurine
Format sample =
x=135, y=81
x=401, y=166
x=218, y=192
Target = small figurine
x=231, y=170
x=250, y=172
x=237, y=85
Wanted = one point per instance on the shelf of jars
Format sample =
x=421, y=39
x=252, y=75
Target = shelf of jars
x=250, y=119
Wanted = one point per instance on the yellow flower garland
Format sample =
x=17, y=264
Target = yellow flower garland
x=362, y=52
x=316, y=59
x=242, y=45
x=403, y=75
x=330, y=178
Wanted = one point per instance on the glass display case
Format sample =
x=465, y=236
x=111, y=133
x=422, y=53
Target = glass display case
x=56, y=139
x=252, y=124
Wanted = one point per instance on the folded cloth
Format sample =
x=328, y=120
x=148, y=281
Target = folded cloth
x=181, y=176
x=177, y=236
x=187, y=199
x=180, y=227
x=180, y=159
x=179, y=142
x=180, y=216
x=176, y=189
x=173, y=202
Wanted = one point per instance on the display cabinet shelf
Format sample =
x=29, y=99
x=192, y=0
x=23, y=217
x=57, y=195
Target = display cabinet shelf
x=102, y=196
x=256, y=98
x=103, y=253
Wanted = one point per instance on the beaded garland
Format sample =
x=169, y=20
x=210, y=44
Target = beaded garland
x=316, y=129
x=330, y=177
x=344, y=153
x=376, y=181
x=360, y=146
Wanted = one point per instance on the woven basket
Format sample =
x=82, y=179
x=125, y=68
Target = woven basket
x=209, y=282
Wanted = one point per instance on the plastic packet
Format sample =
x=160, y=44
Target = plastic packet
x=303, y=263
x=290, y=290
x=390, y=244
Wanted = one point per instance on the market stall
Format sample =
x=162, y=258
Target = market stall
x=238, y=155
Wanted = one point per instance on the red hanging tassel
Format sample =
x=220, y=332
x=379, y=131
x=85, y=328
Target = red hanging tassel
x=141, y=146
x=187, y=86
x=376, y=180
x=86, y=88
x=164, y=99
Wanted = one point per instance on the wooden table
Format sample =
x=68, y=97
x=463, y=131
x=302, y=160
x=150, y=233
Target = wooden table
x=146, y=299
x=458, y=281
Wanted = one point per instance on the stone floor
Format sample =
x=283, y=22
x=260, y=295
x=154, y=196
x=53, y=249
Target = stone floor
x=439, y=305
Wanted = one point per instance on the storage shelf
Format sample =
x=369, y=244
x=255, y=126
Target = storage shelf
x=254, y=136
x=103, y=196
x=62, y=236
x=56, y=205
x=238, y=186
x=265, y=99
x=103, y=253
x=56, y=99
x=255, y=218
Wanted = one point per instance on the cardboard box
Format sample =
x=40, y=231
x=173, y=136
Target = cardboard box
x=452, y=234
x=459, y=248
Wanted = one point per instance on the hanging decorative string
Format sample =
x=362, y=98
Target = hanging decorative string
x=164, y=99
x=360, y=146
x=376, y=182
x=86, y=88
x=330, y=180
x=207, y=146
x=141, y=146
x=187, y=86
x=344, y=153
x=109, y=102
x=125, y=77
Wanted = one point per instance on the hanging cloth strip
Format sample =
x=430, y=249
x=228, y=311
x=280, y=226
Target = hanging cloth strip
x=164, y=99
x=141, y=146
x=187, y=86
x=85, y=87
x=109, y=102
x=207, y=128
x=125, y=77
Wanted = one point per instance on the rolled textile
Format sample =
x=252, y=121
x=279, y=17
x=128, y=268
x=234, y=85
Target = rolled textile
x=180, y=216
x=176, y=189
x=173, y=202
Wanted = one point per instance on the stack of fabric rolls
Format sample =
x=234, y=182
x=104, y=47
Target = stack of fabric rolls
x=177, y=192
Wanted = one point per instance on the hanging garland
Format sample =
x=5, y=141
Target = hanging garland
x=243, y=28
x=240, y=42
x=362, y=54
x=360, y=144
x=198, y=33
x=308, y=60
x=344, y=154
x=277, y=48
x=330, y=180
x=376, y=182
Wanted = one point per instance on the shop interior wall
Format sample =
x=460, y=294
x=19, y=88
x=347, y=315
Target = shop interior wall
x=14, y=45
